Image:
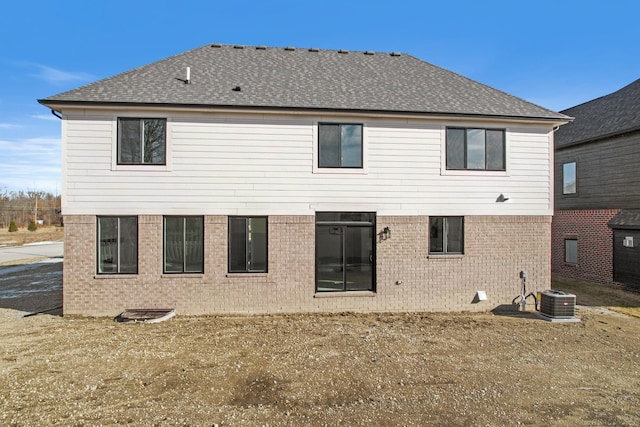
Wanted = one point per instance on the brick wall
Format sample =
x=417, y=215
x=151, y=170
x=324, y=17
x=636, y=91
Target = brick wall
x=408, y=278
x=595, y=244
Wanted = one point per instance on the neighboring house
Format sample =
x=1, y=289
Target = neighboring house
x=596, y=225
x=260, y=179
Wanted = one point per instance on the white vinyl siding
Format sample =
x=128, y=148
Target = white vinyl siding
x=264, y=165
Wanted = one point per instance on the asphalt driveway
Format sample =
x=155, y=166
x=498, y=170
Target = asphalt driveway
x=30, y=252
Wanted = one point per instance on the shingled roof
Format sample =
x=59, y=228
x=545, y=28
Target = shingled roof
x=609, y=115
x=307, y=79
x=626, y=219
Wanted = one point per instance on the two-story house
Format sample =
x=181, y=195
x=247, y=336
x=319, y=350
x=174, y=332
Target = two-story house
x=258, y=179
x=596, y=227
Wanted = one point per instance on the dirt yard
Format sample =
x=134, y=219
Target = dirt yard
x=339, y=369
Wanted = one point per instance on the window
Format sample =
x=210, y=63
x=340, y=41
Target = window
x=117, y=245
x=141, y=141
x=183, y=244
x=339, y=145
x=247, y=244
x=475, y=149
x=446, y=235
x=569, y=178
x=571, y=251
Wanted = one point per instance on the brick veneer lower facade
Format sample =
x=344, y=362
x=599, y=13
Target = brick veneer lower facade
x=595, y=244
x=496, y=249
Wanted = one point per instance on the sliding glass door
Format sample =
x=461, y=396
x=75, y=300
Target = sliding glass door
x=345, y=251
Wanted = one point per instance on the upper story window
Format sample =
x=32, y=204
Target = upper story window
x=476, y=149
x=569, y=178
x=142, y=141
x=339, y=145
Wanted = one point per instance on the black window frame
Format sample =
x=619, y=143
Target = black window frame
x=340, y=126
x=100, y=245
x=466, y=167
x=444, y=241
x=565, y=251
x=141, y=135
x=248, y=260
x=575, y=173
x=184, y=243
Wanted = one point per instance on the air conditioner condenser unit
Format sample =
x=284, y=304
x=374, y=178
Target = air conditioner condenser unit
x=558, y=306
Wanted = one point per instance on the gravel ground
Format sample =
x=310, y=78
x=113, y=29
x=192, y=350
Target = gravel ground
x=334, y=369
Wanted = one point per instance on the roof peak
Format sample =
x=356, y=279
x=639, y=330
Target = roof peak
x=300, y=49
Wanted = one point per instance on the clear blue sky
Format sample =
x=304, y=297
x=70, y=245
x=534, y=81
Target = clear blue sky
x=553, y=53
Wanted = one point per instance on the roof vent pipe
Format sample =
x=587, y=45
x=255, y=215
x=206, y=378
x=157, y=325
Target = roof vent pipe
x=188, y=80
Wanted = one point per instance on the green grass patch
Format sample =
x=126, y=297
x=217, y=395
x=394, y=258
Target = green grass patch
x=611, y=297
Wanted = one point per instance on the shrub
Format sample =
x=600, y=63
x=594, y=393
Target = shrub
x=12, y=226
x=32, y=226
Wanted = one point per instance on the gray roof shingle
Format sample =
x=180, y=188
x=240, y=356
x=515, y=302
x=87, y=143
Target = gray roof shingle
x=303, y=79
x=626, y=219
x=612, y=114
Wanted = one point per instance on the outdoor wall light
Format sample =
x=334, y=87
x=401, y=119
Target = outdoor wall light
x=386, y=233
x=502, y=198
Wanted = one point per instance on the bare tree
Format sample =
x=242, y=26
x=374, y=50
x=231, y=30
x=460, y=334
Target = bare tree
x=23, y=207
